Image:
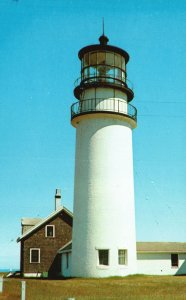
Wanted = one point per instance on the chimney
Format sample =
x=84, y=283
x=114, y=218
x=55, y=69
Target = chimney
x=58, y=199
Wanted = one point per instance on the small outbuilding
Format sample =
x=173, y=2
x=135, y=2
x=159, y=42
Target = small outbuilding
x=153, y=258
x=41, y=240
x=161, y=258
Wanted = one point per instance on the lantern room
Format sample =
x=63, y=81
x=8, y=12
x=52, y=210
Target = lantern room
x=103, y=65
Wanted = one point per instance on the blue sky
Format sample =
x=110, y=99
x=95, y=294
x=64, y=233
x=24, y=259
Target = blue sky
x=39, y=42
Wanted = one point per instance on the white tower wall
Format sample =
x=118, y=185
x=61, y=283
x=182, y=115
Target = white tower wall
x=104, y=216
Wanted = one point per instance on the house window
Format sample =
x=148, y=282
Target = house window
x=50, y=231
x=122, y=257
x=174, y=260
x=103, y=256
x=34, y=255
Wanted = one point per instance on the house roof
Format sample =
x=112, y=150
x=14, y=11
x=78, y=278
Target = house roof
x=43, y=221
x=161, y=247
x=30, y=221
x=66, y=248
x=146, y=247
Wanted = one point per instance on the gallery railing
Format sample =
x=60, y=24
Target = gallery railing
x=110, y=105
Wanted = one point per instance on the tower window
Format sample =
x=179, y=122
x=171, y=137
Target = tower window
x=122, y=256
x=103, y=257
x=174, y=260
x=34, y=255
x=50, y=231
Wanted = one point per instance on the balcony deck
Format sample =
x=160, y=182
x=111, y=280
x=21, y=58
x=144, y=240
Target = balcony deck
x=102, y=105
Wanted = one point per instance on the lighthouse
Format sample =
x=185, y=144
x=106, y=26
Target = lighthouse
x=104, y=239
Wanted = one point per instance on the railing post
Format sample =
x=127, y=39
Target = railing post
x=1, y=284
x=23, y=290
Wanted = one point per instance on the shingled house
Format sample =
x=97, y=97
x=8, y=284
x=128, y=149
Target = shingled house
x=42, y=238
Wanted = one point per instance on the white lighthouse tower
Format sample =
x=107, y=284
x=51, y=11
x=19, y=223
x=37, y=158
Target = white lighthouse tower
x=104, y=240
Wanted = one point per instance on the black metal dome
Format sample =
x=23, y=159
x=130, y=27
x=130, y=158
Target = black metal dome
x=103, y=46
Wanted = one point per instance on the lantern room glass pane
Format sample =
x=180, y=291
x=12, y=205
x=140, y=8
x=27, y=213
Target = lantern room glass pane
x=117, y=73
x=86, y=60
x=86, y=73
x=123, y=76
x=117, y=60
x=101, y=58
x=93, y=58
x=110, y=58
x=111, y=72
x=101, y=70
x=122, y=63
x=92, y=71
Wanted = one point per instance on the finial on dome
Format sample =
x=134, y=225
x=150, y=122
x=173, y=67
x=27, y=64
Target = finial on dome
x=103, y=38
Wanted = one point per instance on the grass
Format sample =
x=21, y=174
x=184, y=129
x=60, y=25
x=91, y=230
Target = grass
x=137, y=287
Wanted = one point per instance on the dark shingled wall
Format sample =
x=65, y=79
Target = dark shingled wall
x=49, y=260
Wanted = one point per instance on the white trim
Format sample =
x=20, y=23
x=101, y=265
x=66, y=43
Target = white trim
x=48, y=236
x=102, y=248
x=65, y=251
x=32, y=275
x=38, y=262
x=103, y=267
